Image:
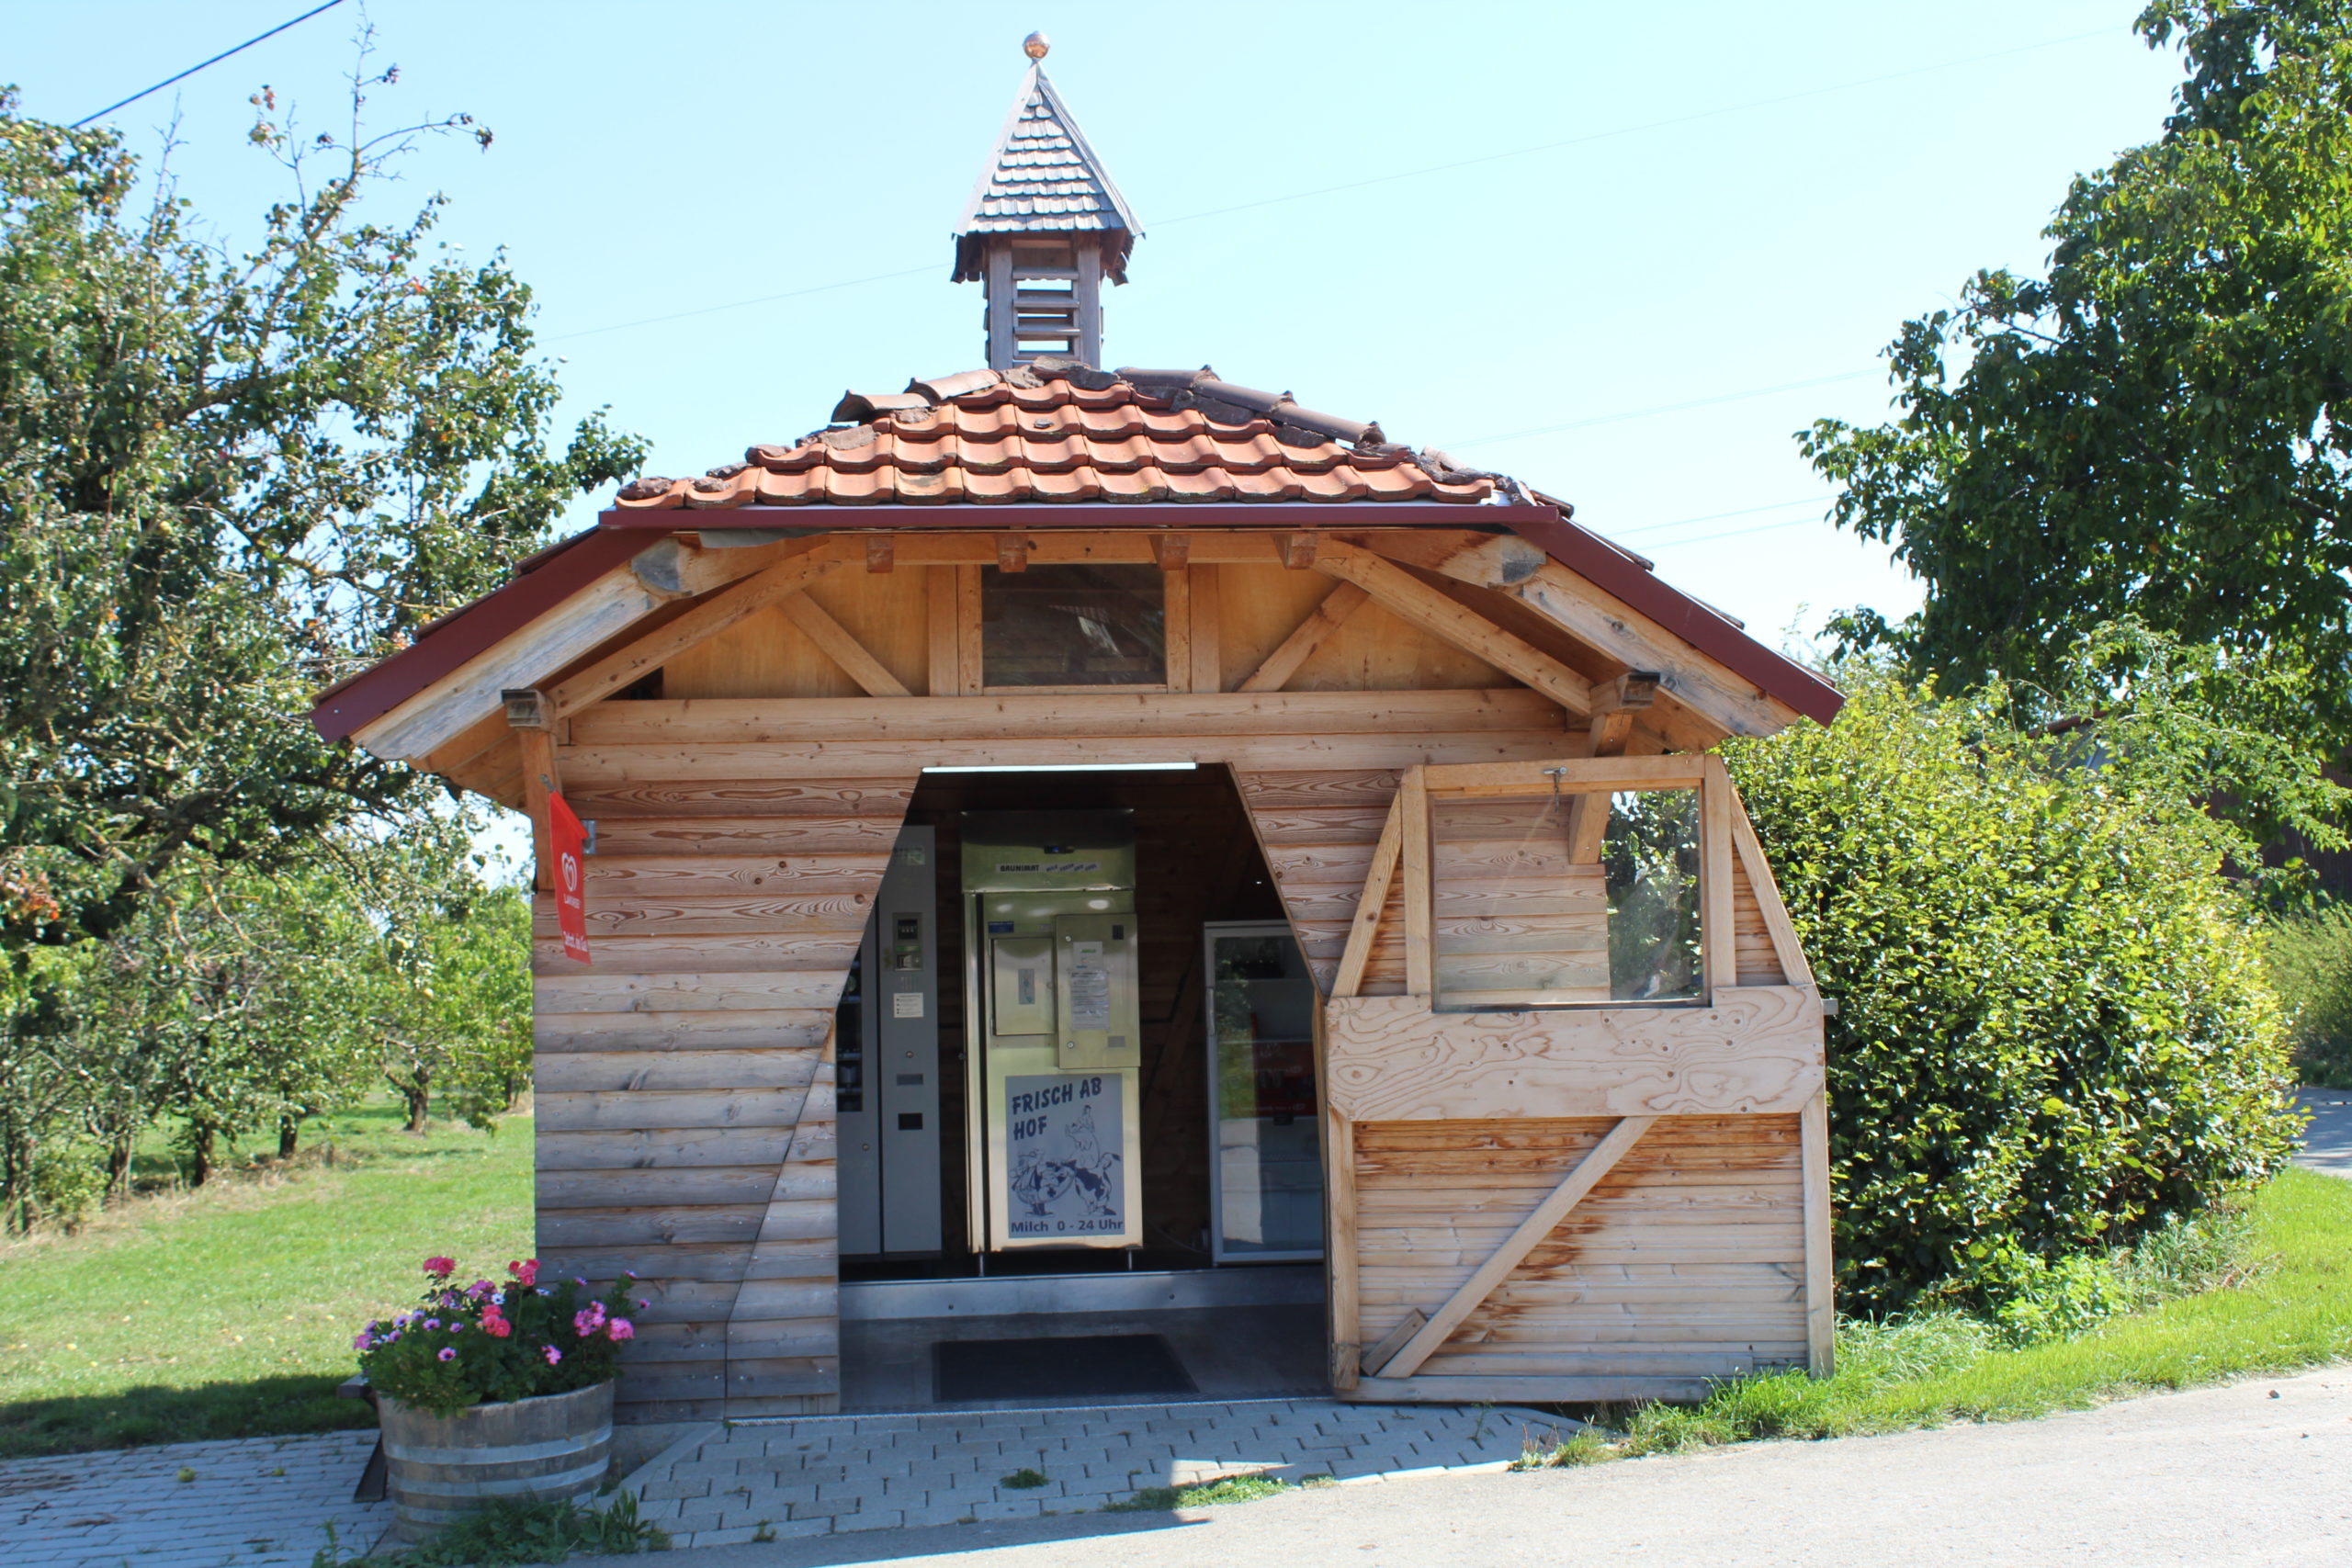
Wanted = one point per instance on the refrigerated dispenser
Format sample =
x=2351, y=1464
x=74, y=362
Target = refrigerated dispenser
x=1051, y=982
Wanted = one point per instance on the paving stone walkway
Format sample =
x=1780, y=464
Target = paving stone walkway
x=814, y=1475
x=255, y=1503
x=266, y=1502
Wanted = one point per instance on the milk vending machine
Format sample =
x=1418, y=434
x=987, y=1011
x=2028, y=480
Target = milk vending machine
x=1051, y=989
x=886, y=1064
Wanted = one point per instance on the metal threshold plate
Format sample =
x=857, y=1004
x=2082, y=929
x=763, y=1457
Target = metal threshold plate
x=1272, y=1285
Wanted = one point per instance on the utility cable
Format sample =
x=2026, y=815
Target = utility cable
x=1662, y=408
x=216, y=59
x=1415, y=174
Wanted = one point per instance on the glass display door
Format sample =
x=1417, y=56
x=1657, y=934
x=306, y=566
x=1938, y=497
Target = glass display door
x=1265, y=1158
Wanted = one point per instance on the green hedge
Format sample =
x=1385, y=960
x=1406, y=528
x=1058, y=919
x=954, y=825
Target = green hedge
x=2055, y=1028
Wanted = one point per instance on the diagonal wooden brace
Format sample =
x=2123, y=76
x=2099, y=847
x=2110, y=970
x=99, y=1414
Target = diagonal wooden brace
x=1514, y=1249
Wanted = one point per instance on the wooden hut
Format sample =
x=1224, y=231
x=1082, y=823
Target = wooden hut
x=1558, y=1087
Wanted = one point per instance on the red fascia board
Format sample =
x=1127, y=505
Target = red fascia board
x=1284, y=514
x=1608, y=568
x=559, y=574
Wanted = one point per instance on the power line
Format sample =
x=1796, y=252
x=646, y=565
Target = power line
x=1662, y=408
x=216, y=59
x=1718, y=516
x=739, y=304
x=1414, y=173
x=1649, y=124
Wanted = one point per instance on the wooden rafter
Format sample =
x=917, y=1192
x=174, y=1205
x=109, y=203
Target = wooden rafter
x=1546, y=1218
x=705, y=621
x=1408, y=597
x=1344, y=600
x=843, y=648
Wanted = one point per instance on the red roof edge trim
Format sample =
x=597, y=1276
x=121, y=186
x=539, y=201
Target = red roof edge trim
x=1610, y=569
x=541, y=583
x=1171, y=515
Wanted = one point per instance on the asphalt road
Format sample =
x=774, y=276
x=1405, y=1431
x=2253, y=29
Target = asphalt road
x=2327, y=1142
x=2217, y=1476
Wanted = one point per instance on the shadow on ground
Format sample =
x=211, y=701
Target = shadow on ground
x=135, y=1417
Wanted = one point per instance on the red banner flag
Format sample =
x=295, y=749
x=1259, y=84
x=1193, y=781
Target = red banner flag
x=568, y=841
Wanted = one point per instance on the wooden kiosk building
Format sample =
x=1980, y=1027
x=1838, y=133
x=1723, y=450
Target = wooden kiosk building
x=1508, y=1028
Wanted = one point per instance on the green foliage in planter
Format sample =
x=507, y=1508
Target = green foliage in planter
x=2310, y=963
x=2055, y=1029
x=490, y=1342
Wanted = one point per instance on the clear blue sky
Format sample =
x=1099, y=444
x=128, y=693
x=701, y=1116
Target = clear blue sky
x=1670, y=205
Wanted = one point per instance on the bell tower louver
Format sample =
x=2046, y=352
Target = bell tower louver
x=1044, y=228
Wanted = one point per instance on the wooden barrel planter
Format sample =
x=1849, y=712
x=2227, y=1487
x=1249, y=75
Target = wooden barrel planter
x=438, y=1469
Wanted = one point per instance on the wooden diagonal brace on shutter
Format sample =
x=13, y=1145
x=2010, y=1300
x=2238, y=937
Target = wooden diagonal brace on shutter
x=1514, y=1250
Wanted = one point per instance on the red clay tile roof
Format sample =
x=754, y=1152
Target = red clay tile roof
x=1044, y=179
x=1062, y=432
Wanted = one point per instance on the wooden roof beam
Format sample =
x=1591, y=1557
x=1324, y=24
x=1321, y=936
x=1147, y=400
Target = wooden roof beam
x=1411, y=599
x=1344, y=600
x=705, y=620
x=1505, y=563
x=843, y=648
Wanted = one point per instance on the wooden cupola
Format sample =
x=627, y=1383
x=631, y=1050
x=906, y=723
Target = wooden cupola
x=1043, y=228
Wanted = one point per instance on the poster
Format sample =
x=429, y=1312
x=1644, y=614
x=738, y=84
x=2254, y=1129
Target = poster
x=1065, y=1146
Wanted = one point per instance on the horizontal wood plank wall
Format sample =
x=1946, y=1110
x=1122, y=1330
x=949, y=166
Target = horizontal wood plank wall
x=1752, y=952
x=685, y=1109
x=1686, y=1261
x=1319, y=830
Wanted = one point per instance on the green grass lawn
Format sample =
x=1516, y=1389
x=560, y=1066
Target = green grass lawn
x=2294, y=1311
x=228, y=1311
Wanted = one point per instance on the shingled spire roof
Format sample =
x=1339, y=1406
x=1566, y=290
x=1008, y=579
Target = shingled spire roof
x=1044, y=179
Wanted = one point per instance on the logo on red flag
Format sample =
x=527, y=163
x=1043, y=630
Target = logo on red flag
x=568, y=841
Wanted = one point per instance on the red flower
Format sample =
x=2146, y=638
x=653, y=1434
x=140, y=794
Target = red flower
x=526, y=1273
x=495, y=1324
x=440, y=1268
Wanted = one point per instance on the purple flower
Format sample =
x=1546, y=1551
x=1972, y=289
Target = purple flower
x=432, y=1323
x=448, y=1352
x=363, y=1342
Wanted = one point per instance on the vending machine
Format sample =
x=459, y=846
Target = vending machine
x=886, y=1064
x=1050, y=981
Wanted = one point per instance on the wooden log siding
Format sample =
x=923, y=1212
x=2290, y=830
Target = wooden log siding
x=1701, y=1253
x=683, y=1086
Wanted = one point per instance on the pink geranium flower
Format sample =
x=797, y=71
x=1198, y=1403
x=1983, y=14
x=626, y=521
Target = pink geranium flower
x=440, y=1268
x=621, y=1328
x=554, y=1355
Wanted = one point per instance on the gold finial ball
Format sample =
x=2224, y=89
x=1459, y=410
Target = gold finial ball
x=1036, y=45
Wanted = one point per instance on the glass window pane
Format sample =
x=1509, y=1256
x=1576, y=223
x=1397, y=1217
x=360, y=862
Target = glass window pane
x=1270, y=1164
x=1581, y=899
x=1073, y=626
